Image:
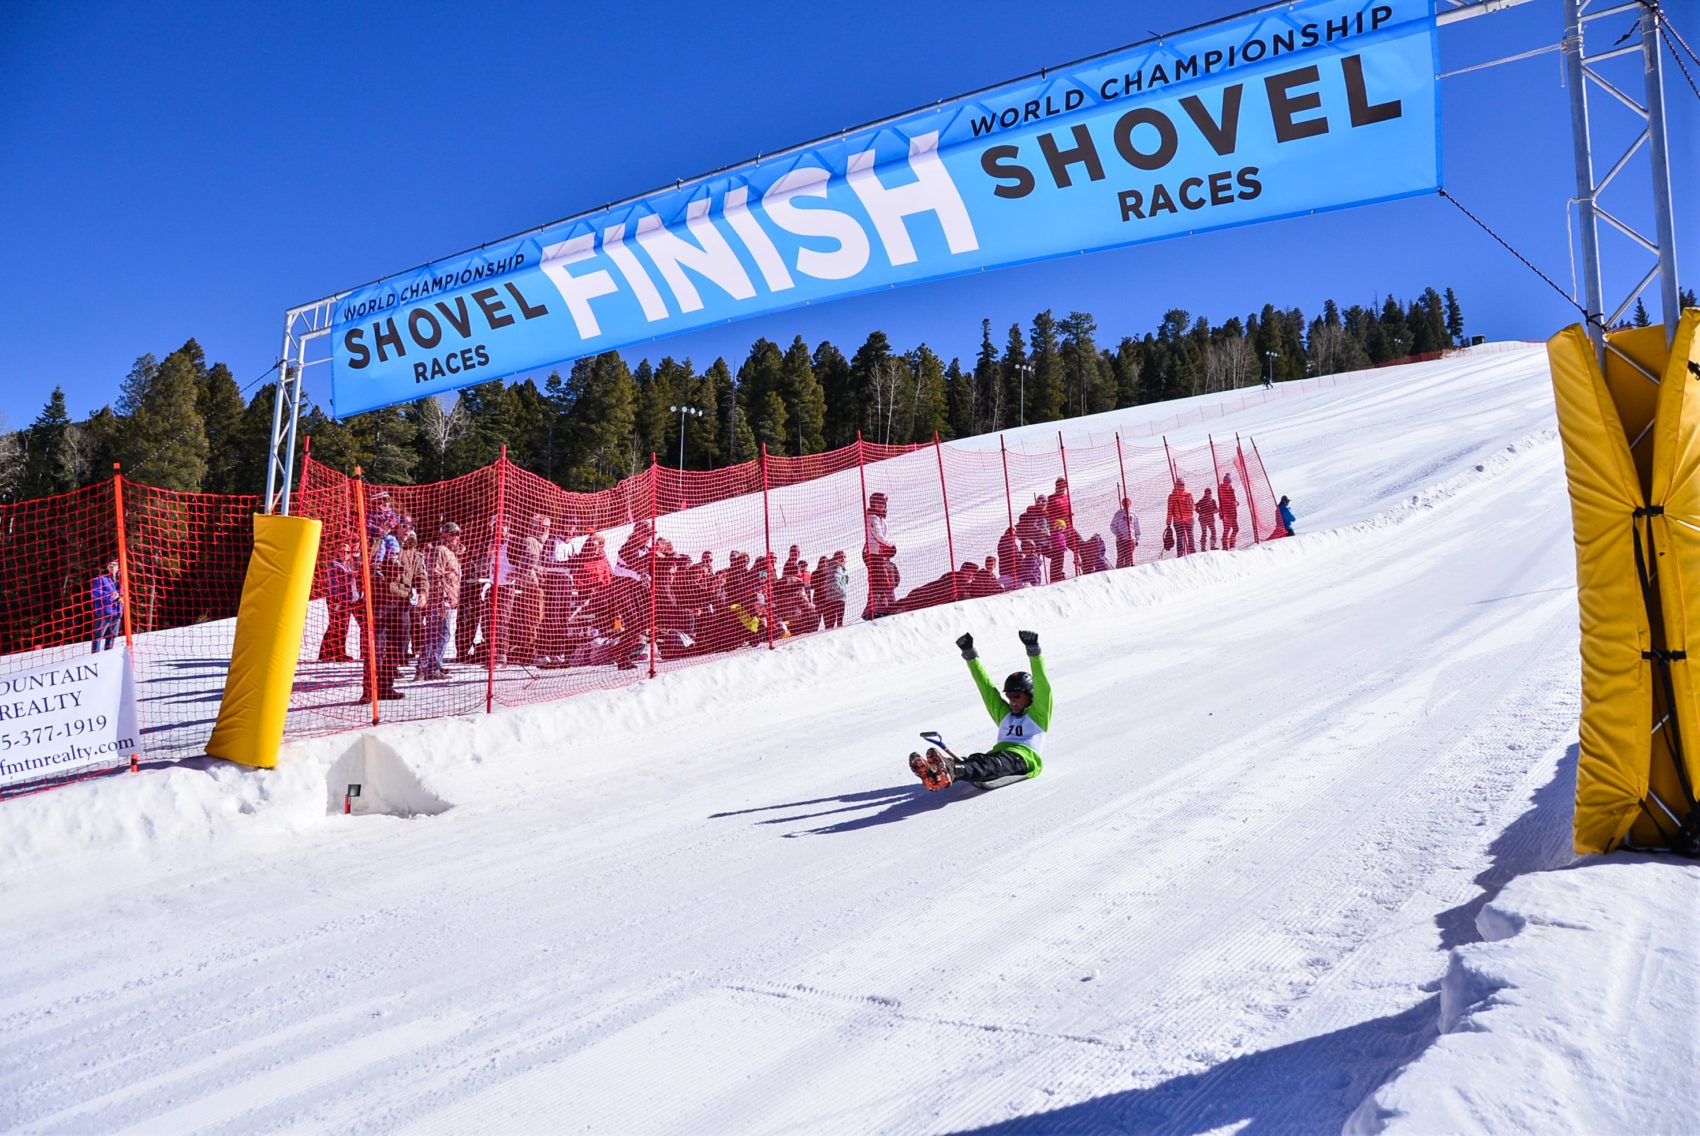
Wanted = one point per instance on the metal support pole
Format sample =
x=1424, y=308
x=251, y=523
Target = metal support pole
x=272, y=466
x=1576, y=78
x=1663, y=225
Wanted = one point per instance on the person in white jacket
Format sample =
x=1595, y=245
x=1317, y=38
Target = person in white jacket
x=877, y=552
x=1124, y=526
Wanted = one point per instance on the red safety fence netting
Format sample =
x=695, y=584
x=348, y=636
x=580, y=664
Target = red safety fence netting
x=126, y=567
x=500, y=588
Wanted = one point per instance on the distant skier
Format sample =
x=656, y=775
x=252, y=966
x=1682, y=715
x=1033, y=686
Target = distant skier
x=1022, y=721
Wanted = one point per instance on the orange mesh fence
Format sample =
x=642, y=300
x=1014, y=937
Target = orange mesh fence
x=122, y=566
x=499, y=588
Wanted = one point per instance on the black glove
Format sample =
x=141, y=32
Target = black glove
x=966, y=643
x=1030, y=640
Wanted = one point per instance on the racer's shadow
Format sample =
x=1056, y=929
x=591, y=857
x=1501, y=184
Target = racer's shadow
x=894, y=803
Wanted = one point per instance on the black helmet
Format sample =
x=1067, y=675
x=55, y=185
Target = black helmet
x=1018, y=683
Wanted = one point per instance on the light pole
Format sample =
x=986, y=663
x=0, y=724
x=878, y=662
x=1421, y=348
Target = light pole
x=1269, y=380
x=1024, y=369
x=682, y=411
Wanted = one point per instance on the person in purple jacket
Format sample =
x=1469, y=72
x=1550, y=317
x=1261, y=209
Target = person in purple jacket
x=108, y=602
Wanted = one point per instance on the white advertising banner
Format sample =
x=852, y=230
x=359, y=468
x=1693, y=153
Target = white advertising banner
x=67, y=718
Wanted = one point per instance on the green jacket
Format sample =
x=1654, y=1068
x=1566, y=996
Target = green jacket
x=1018, y=733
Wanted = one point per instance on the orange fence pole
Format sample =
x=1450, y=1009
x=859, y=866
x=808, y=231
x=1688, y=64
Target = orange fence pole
x=652, y=573
x=1121, y=465
x=1245, y=485
x=767, y=539
x=369, y=631
x=124, y=581
x=495, y=607
x=1062, y=451
x=949, y=540
x=1008, y=504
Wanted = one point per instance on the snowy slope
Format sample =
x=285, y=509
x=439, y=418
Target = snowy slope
x=1282, y=785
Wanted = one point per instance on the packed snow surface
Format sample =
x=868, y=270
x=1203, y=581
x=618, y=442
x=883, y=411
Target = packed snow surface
x=1298, y=862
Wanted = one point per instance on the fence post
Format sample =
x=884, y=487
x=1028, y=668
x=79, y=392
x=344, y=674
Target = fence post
x=1070, y=534
x=491, y=632
x=306, y=454
x=767, y=537
x=862, y=524
x=1245, y=485
x=1008, y=503
x=1170, y=458
x=123, y=581
x=1266, y=484
x=368, y=631
x=949, y=540
x=1122, y=466
x=652, y=572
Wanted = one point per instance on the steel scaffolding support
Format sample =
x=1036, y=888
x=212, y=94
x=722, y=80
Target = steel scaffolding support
x=1581, y=70
x=300, y=326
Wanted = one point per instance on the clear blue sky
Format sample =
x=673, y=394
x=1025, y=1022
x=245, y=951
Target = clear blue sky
x=177, y=170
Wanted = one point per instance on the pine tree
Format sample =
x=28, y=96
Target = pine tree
x=48, y=463
x=601, y=424
x=805, y=401
x=1089, y=388
x=988, y=385
x=490, y=425
x=873, y=385
x=253, y=442
x=164, y=443
x=552, y=446
x=928, y=410
x=384, y=445
x=1015, y=367
x=1427, y=320
x=1641, y=318
x=1454, y=320
x=531, y=414
x=220, y=404
x=959, y=391
x=11, y=463
x=737, y=443
x=1045, y=392
x=653, y=421
x=684, y=388
x=763, y=374
x=1127, y=366
x=333, y=442
x=1685, y=298
x=832, y=372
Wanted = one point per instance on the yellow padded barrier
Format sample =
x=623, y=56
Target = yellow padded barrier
x=269, y=626
x=1676, y=537
x=1620, y=450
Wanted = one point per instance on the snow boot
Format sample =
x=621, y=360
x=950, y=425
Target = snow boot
x=934, y=769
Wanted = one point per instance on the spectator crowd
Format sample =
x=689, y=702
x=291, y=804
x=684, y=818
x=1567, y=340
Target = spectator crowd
x=545, y=598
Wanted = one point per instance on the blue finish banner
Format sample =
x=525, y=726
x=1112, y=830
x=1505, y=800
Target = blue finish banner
x=1316, y=105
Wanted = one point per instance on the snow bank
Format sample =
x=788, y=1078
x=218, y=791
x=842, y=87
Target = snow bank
x=1575, y=1014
